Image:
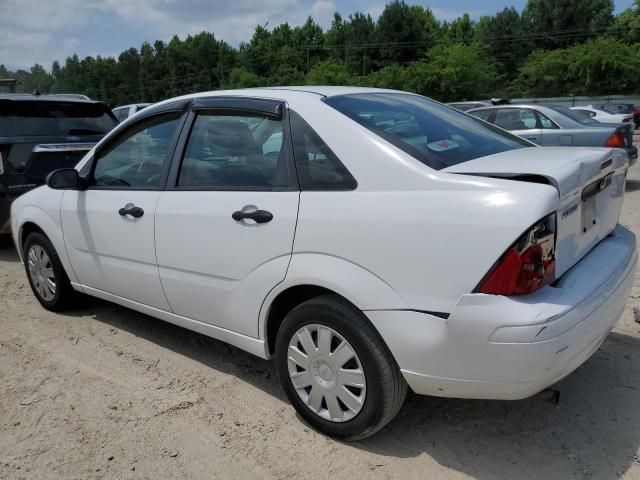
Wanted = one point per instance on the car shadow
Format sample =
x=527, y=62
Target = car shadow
x=632, y=185
x=7, y=251
x=594, y=432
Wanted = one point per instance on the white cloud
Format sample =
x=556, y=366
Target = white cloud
x=41, y=31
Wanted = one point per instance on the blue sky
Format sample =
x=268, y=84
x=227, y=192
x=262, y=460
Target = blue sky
x=42, y=31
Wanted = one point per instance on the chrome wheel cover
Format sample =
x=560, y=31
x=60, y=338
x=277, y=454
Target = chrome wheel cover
x=41, y=272
x=326, y=373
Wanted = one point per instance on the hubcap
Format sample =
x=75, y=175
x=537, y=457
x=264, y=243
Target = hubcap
x=41, y=272
x=326, y=373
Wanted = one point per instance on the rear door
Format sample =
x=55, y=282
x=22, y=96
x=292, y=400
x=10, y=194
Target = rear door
x=225, y=225
x=109, y=228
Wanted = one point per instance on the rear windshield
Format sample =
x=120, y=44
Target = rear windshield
x=575, y=116
x=27, y=118
x=436, y=135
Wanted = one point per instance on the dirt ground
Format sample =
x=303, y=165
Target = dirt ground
x=104, y=392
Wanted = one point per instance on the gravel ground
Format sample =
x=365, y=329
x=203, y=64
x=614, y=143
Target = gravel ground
x=104, y=392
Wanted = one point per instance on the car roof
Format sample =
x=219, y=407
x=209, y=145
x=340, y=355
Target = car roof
x=284, y=93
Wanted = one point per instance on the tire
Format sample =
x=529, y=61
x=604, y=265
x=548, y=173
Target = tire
x=40, y=261
x=365, y=407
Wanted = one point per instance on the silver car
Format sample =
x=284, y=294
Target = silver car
x=558, y=126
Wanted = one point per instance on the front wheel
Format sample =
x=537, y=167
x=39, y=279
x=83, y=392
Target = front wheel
x=335, y=369
x=46, y=274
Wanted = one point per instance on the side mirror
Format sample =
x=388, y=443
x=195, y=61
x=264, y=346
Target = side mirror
x=65, y=179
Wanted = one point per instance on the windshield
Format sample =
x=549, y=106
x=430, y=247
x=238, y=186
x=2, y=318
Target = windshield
x=27, y=118
x=575, y=116
x=436, y=135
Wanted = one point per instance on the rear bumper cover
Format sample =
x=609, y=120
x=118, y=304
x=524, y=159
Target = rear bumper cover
x=513, y=347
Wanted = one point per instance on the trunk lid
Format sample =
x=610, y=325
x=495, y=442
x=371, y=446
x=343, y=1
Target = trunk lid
x=28, y=161
x=40, y=134
x=590, y=184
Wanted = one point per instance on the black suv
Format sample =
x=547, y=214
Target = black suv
x=40, y=134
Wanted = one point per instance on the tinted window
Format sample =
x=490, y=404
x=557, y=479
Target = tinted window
x=234, y=151
x=434, y=134
x=482, y=114
x=317, y=166
x=586, y=113
x=26, y=118
x=545, y=122
x=136, y=157
x=575, y=115
x=121, y=113
x=515, y=119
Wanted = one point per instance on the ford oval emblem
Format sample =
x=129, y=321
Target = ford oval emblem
x=73, y=138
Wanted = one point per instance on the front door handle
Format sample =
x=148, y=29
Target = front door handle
x=258, y=216
x=131, y=210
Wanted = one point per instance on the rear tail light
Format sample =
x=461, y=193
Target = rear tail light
x=526, y=266
x=616, y=140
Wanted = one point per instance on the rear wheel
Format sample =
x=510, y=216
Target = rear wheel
x=45, y=272
x=335, y=369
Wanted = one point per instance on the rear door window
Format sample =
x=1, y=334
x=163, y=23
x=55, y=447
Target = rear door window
x=121, y=113
x=545, y=122
x=516, y=119
x=482, y=114
x=44, y=118
x=234, y=151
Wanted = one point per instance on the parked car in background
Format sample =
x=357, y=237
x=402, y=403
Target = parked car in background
x=386, y=240
x=464, y=106
x=558, y=126
x=624, y=108
x=603, y=116
x=40, y=134
x=125, y=111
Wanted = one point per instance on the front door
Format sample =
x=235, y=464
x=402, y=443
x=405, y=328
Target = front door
x=225, y=224
x=109, y=227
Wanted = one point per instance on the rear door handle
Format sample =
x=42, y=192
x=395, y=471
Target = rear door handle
x=258, y=216
x=131, y=210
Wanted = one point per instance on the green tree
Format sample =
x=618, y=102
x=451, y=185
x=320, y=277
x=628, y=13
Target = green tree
x=561, y=23
x=240, y=77
x=461, y=30
x=404, y=32
x=392, y=76
x=503, y=37
x=329, y=72
x=627, y=24
x=453, y=72
x=597, y=67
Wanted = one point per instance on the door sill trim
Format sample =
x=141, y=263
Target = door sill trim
x=252, y=345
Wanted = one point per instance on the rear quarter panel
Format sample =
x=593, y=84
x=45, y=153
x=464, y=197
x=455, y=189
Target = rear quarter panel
x=428, y=247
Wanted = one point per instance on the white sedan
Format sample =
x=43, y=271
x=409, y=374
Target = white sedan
x=367, y=239
x=603, y=116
